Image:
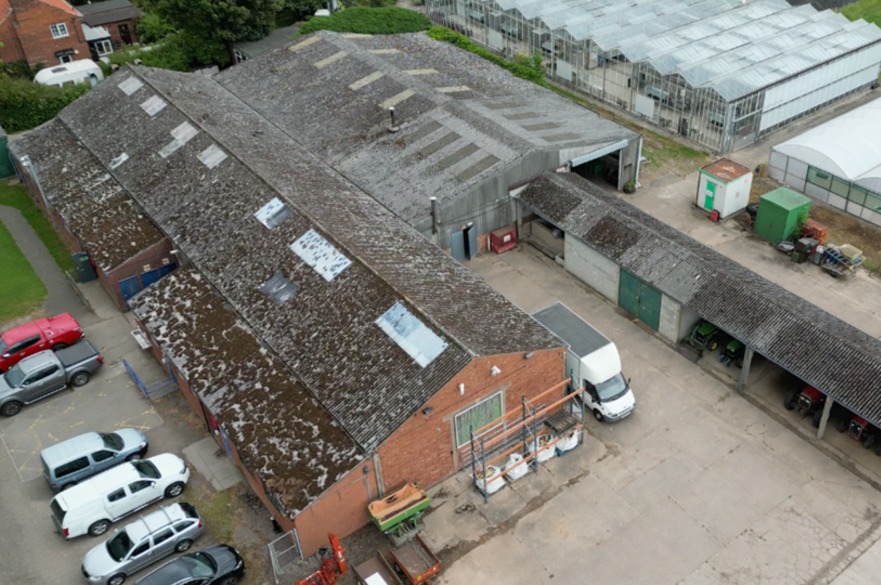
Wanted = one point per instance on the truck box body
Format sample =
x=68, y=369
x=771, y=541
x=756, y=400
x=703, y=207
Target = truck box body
x=592, y=361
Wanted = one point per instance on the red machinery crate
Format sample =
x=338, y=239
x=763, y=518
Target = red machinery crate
x=503, y=239
x=815, y=229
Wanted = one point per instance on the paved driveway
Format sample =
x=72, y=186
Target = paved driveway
x=697, y=487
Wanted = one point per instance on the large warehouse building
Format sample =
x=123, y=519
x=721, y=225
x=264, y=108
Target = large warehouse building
x=332, y=350
x=721, y=72
x=838, y=162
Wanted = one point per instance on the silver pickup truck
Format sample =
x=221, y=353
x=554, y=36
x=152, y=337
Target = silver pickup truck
x=46, y=373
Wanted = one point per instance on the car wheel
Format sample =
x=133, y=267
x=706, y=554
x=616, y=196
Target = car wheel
x=56, y=347
x=842, y=425
x=791, y=400
x=712, y=345
x=174, y=490
x=869, y=442
x=117, y=579
x=68, y=485
x=230, y=580
x=183, y=545
x=99, y=527
x=11, y=408
x=598, y=415
x=80, y=379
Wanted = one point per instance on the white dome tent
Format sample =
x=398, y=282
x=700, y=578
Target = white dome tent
x=838, y=162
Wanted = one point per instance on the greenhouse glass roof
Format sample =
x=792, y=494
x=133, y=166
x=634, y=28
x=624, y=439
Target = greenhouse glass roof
x=733, y=46
x=846, y=146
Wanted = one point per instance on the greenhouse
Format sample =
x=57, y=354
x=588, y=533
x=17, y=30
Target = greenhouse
x=722, y=73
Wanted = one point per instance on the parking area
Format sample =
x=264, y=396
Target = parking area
x=698, y=486
x=32, y=552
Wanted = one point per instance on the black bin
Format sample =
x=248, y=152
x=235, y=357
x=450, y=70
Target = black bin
x=85, y=272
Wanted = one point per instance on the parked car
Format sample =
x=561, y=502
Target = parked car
x=71, y=461
x=148, y=539
x=52, y=333
x=45, y=373
x=91, y=506
x=216, y=565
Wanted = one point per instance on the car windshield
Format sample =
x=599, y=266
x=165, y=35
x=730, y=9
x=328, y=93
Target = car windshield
x=14, y=376
x=200, y=564
x=112, y=441
x=119, y=545
x=146, y=469
x=3, y=347
x=612, y=388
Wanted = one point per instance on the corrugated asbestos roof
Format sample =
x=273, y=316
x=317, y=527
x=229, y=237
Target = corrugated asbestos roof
x=733, y=46
x=177, y=129
x=109, y=11
x=95, y=207
x=280, y=431
x=822, y=350
x=461, y=118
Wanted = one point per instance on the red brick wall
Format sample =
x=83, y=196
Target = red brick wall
x=115, y=37
x=422, y=450
x=33, y=20
x=11, y=49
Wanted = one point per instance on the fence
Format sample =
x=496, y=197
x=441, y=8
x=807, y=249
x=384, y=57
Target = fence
x=154, y=391
x=284, y=552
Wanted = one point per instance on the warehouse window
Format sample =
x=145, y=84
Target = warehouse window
x=819, y=178
x=477, y=417
x=840, y=186
x=857, y=195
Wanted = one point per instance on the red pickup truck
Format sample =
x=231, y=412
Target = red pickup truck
x=53, y=333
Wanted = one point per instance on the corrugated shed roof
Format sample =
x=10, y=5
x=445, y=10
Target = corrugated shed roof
x=326, y=333
x=461, y=118
x=94, y=206
x=822, y=350
x=281, y=432
x=108, y=11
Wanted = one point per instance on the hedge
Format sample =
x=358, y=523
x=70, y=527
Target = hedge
x=523, y=66
x=370, y=21
x=25, y=104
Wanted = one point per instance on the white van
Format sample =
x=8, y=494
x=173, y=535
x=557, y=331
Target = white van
x=82, y=71
x=91, y=506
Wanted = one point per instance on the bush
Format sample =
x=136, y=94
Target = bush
x=151, y=28
x=371, y=21
x=178, y=52
x=25, y=104
x=18, y=69
x=524, y=66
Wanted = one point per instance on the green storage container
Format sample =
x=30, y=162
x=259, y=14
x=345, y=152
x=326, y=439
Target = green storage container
x=6, y=169
x=780, y=211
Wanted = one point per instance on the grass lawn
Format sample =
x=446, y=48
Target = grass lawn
x=15, y=196
x=869, y=10
x=21, y=292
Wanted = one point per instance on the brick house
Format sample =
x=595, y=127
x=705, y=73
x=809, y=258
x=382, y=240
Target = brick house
x=119, y=17
x=46, y=32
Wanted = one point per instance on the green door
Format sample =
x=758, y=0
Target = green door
x=639, y=299
x=709, y=195
x=628, y=292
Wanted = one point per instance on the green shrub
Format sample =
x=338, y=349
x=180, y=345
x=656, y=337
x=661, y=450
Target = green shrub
x=18, y=69
x=178, y=52
x=151, y=28
x=371, y=21
x=25, y=104
x=524, y=66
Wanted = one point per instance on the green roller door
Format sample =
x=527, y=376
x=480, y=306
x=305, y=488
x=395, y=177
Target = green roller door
x=639, y=299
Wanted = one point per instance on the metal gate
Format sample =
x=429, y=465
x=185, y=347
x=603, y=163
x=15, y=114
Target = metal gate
x=129, y=287
x=284, y=551
x=154, y=391
x=639, y=299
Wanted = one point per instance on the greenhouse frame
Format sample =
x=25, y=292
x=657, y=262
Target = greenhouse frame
x=722, y=73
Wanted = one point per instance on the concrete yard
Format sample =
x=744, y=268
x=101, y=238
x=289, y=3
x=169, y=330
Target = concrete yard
x=698, y=486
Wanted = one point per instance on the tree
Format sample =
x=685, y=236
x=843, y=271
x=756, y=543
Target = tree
x=218, y=20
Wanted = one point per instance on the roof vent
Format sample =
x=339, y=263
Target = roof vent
x=273, y=213
x=393, y=127
x=279, y=288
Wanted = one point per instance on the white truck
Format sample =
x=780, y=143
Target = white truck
x=593, y=362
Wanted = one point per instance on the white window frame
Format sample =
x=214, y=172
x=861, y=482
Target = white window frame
x=59, y=30
x=500, y=395
x=105, y=44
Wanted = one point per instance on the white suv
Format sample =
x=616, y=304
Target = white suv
x=92, y=505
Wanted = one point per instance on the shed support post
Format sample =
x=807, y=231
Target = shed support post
x=744, y=371
x=824, y=419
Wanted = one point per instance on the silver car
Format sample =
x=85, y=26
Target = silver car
x=148, y=539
